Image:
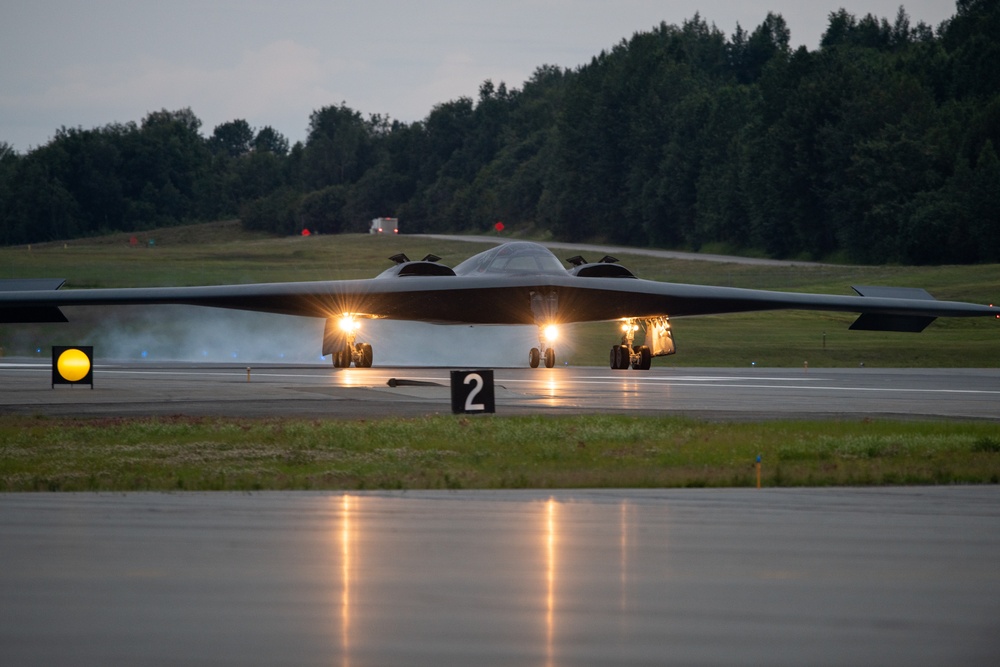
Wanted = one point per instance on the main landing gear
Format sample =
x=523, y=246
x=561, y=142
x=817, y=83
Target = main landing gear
x=658, y=336
x=547, y=335
x=360, y=354
x=340, y=340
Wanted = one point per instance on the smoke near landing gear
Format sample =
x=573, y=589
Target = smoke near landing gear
x=189, y=333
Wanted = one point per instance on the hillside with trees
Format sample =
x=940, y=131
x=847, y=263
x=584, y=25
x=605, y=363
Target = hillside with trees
x=878, y=146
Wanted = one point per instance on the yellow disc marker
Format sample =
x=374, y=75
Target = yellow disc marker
x=73, y=365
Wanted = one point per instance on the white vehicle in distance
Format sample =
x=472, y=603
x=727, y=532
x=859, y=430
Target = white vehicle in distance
x=384, y=226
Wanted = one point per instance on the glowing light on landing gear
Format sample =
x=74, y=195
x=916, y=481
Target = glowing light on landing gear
x=551, y=333
x=348, y=324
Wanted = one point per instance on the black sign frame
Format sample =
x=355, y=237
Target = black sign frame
x=472, y=392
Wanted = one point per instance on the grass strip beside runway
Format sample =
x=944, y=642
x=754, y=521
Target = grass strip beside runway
x=485, y=452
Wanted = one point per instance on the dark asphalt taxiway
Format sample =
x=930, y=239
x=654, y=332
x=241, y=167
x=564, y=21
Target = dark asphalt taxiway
x=905, y=576
x=321, y=391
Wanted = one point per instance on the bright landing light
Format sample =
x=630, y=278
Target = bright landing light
x=348, y=324
x=551, y=333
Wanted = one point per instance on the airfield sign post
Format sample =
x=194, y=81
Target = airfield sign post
x=472, y=392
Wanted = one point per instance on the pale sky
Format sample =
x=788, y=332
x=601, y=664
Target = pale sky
x=89, y=63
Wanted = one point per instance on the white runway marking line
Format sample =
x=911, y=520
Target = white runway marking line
x=732, y=382
x=366, y=378
x=728, y=383
x=235, y=373
x=705, y=378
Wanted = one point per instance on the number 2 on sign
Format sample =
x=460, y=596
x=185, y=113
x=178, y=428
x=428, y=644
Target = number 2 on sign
x=477, y=379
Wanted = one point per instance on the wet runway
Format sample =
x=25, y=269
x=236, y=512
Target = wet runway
x=321, y=391
x=682, y=577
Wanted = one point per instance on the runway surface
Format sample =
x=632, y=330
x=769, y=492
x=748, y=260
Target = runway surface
x=695, y=577
x=133, y=388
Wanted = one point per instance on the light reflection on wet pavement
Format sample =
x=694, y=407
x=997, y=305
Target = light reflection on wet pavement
x=783, y=577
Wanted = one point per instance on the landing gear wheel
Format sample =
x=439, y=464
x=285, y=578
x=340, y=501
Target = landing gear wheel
x=366, y=355
x=619, y=357
x=550, y=357
x=645, y=358
x=534, y=356
x=339, y=358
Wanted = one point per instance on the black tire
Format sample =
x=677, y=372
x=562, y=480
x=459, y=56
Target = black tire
x=645, y=358
x=550, y=357
x=619, y=357
x=534, y=356
x=366, y=355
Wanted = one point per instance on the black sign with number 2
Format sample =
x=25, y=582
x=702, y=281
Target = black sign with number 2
x=472, y=391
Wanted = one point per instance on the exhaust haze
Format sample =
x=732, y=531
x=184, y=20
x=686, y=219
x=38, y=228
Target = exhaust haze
x=193, y=334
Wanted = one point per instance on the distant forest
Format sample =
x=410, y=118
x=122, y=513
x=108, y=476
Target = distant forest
x=879, y=146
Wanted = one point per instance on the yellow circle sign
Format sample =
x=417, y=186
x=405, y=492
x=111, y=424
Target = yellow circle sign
x=73, y=365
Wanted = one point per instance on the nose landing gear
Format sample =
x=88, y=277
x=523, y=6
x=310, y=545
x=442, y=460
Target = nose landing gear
x=547, y=335
x=536, y=357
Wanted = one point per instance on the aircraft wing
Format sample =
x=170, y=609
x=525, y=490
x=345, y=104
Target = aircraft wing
x=497, y=300
x=515, y=283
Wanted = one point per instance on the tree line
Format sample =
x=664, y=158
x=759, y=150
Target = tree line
x=878, y=146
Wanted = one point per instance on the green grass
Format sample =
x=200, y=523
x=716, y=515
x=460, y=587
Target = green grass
x=217, y=253
x=221, y=253
x=485, y=452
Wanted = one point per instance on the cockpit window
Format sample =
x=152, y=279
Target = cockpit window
x=512, y=258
